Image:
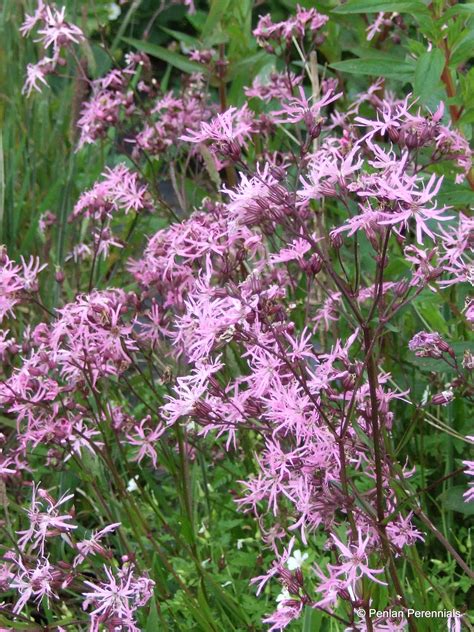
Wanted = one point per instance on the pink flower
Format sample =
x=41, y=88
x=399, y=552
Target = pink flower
x=118, y=597
x=354, y=561
x=229, y=131
x=376, y=26
x=119, y=189
x=401, y=532
x=296, y=251
x=275, y=569
x=31, y=21
x=413, y=204
x=44, y=524
x=57, y=32
x=188, y=391
x=287, y=611
x=37, y=582
x=329, y=172
x=426, y=345
x=35, y=75
x=300, y=109
x=92, y=545
x=279, y=86
x=283, y=32
x=145, y=438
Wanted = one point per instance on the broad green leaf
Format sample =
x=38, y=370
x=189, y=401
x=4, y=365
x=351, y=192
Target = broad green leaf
x=468, y=116
x=377, y=66
x=311, y=619
x=429, y=310
x=377, y=6
x=168, y=56
x=453, y=499
x=455, y=195
x=463, y=50
x=428, y=73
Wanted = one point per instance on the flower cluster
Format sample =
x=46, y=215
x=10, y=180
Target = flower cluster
x=270, y=34
x=56, y=36
x=110, y=99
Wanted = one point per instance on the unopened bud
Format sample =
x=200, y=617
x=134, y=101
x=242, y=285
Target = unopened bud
x=315, y=264
x=441, y=399
x=59, y=276
x=336, y=240
x=394, y=135
x=401, y=288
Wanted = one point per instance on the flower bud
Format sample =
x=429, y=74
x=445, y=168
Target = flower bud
x=442, y=399
x=315, y=264
x=394, y=135
x=401, y=288
x=336, y=240
x=59, y=276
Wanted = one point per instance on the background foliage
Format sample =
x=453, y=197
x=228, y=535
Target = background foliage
x=208, y=550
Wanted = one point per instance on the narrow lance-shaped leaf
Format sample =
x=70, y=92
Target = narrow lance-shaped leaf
x=168, y=56
x=376, y=6
x=382, y=66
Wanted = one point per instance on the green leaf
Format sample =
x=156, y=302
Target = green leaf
x=311, y=619
x=210, y=165
x=218, y=9
x=377, y=6
x=453, y=500
x=189, y=40
x=455, y=195
x=429, y=310
x=462, y=50
x=168, y=56
x=466, y=9
x=153, y=621
x=10, y=423
x=428, y=73
x=382, y=65
x=14, y=625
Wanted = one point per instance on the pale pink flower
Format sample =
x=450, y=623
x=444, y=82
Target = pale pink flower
x=354, y=561
x=56, y=31
x=229, y=130
x=301, y=109
x=92, y=545
x=33, y=583
x=45, y=520
x=144, y=438
x=118, y=597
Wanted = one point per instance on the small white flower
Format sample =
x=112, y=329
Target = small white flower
x=282, y=597
x=296, y=560
x=113, y=11
x=426, y=396
x=132, y=485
